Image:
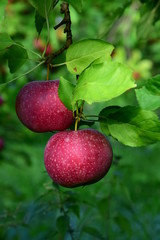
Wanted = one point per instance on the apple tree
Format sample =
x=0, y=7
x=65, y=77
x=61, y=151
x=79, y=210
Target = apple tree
x=85, y=92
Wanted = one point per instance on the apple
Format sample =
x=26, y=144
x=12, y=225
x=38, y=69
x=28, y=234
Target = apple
x=77, y=158
x=40, y=109
x=136, y=75
x=48, y=50
x=1, y=143
x=1, y=101
x=39, y=44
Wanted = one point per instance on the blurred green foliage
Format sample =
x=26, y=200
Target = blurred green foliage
x=124, y=204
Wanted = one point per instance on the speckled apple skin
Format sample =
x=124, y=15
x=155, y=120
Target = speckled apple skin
x=40, y=109
x=1, y=144
x=76, y=158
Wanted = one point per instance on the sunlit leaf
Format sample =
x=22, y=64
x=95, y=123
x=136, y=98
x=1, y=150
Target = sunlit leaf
x=131, y=125
x=153, y=85
x=149, y=95
x=147, y=100
x=81, y=54
x=102, y=82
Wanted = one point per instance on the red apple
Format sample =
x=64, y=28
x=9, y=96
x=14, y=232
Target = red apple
x=48, y=50
x=1, y=101
x=39, y=44
x=136, y=75
x=39, y=107
x=1, y=143
x=76, y=158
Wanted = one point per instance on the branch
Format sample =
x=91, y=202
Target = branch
x=67, y=21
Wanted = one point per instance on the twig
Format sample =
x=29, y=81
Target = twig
x=18, y=77
x=66, y=20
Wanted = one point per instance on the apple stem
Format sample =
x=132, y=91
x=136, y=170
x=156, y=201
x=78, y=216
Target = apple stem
x=76, y=124
x=77, y=111
x=77, y=117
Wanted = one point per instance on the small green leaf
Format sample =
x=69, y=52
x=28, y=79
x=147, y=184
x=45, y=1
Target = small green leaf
x=5, y=41
x=145, y=25
x=75, y=209
x=131, y=125
x=93, y=232
x=39, y=22
x=149, y=95
x=62, y=224
x=147, y=100
x=76, y=4
x=81, y=54
x=153, y=85
x=3, y=8
x=42, y=6
x=102, y=82
x=17, y=56
x=65, y=92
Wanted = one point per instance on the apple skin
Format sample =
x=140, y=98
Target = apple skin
x=77, y=158
x=40, y=109
x=1, y=144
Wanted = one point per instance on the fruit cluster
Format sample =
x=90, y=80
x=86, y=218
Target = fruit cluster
x=71, y=158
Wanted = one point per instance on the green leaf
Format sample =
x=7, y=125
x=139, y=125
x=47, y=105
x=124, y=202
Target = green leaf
x=42, y=6
x=147, y=100
x=145, y=26
x=65, y=92
x=102, y=82
x=153, y=85
x=131, y=125
x=5, y=41
x=93, y=232
x=62, y=224
x=17, y=56
x=75, y=209
x=81, y=54
x=78, y=4
x=149, y=95
x=39, y=22
x=2, y=12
